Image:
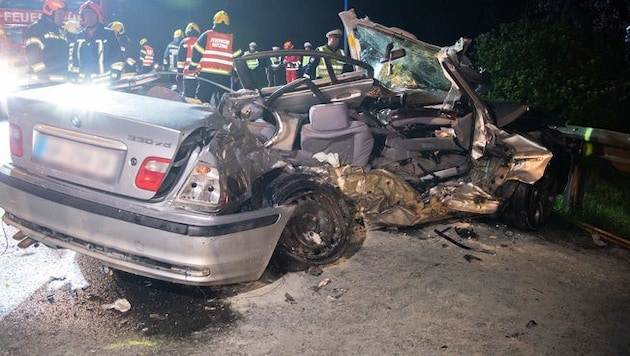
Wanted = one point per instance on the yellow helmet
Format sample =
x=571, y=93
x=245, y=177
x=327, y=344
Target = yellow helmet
x=143, y=41
x=117, y=26
x=178, y=33
x=192, y=29
x=221, y=16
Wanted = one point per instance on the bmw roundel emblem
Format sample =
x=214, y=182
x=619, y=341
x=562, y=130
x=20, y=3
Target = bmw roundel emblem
x=76, y=122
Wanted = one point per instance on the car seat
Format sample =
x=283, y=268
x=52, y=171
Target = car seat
x=331, y=131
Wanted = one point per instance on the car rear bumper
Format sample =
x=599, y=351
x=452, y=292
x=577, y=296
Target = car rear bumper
x=181, y=247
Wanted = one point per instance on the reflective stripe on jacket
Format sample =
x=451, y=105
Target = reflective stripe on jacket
x=337, y=66
x=146, y=55
x=251, y=63
x=184, y=56
x=216, y=53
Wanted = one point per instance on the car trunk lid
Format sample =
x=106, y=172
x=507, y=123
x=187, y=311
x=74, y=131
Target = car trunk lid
x=111, y=141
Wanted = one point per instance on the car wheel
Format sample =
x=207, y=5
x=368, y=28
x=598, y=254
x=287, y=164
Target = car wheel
x=531, y=205
x=318, y=232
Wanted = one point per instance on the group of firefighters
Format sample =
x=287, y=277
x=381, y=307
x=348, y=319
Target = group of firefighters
x=99, y=52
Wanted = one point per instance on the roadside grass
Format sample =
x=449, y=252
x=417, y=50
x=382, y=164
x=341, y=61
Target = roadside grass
x=606, y=203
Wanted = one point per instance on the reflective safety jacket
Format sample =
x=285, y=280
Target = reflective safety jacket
x=337, y=66
x=146, y=55
x=305, y=60
x=213, y=53
x=99, y=57
x=275, y=63
x=251, y=63
x=292, y=63
x=46, y=50
x=184, y=56
x=169, y=59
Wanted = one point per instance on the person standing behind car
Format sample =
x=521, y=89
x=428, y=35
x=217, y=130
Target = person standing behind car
x=97, y=56
x=147, y=55
x=212, y=58
x=126, y=46
x=275, y=71
x=256, y=66
x=291, y=63
x=46, y=47
x=169, y=59
x=333, y=45
x=304, y=63
x=184, y=57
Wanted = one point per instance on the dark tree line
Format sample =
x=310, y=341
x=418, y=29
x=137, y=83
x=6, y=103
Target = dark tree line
x=566, y=55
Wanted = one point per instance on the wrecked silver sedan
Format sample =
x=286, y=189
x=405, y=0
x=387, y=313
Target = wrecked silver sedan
x=153, y=185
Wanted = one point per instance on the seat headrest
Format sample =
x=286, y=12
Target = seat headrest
x=328, y=117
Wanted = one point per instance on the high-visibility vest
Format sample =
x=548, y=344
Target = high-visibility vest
x=217, y=54
x=182, y=65
x=305, y=60
x=276, y=62
x=252, y=63
x=337, y=66
x=146, y=55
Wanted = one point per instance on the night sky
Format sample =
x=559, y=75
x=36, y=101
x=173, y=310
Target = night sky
x=271, y=22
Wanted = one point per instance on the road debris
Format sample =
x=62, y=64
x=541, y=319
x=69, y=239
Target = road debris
x=470, y=258
x=122, y=305
x=289, y=299
x=158, y=316
x=315, y=270
x=531, y=324
x=441, y=233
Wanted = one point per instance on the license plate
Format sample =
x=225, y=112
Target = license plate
x=78, y=158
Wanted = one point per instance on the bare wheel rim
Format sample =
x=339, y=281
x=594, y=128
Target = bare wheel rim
x=316, y=232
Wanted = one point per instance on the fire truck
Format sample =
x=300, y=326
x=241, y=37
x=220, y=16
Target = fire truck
x=15, y=17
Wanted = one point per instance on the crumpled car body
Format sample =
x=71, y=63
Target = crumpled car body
x=207, y=195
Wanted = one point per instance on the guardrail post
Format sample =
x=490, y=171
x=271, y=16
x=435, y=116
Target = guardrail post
x=574, y=191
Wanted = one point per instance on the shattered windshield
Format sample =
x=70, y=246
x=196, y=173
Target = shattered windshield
x=419, y=68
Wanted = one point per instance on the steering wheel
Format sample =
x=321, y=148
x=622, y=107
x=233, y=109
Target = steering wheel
x=293, y=85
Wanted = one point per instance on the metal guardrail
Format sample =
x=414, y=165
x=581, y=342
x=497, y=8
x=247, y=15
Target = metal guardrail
x=604, y=144
x=587, y=143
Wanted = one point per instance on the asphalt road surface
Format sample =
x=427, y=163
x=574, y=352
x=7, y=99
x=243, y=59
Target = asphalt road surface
x=501, y=291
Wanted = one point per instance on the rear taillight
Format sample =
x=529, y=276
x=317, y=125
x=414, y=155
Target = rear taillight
x=16, y=140
x=203, y=190
x=151, y=173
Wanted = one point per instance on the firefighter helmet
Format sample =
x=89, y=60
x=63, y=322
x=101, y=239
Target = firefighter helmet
x=220, y=17
x=288, y=45
x=90, y=5
x=51, y=6
x=192, y=29
x=178, y=33
x=143, y=41
x=118, y=27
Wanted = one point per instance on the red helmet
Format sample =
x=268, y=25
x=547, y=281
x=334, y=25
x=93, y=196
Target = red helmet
x=51, y=6
x=89, y=5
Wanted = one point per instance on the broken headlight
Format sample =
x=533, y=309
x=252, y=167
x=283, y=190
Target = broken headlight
x=203, y=190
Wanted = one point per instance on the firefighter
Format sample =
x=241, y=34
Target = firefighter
x=275, y=71
x=126, y=46
x=169, y=59
x=97, y=56
x=184, y=56
x=291, y=63
x=146, y=58
x=212, y=58
x=256, y=66
x=333, y=45
x=46, y=46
